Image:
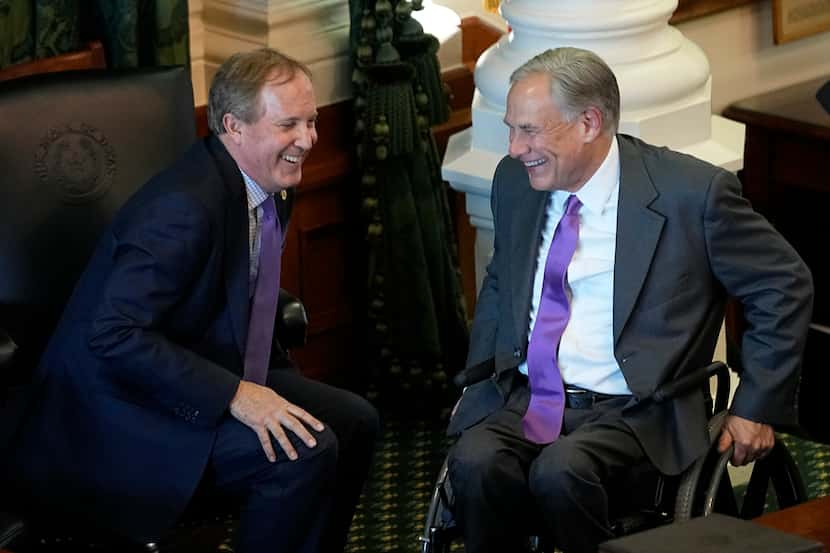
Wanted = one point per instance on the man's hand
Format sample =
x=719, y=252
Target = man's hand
x=752, y=440
x=266, y=413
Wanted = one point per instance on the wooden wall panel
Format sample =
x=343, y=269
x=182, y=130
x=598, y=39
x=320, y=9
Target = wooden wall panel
x=476, y=36
x=317, y=269
x=321, y=262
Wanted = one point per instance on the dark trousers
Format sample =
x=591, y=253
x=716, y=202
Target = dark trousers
x=304, y=505
x=507, y=488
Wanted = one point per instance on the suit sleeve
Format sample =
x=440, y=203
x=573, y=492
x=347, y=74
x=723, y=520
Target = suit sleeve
x=156, y=259
x=485, y=320
x=758, y=267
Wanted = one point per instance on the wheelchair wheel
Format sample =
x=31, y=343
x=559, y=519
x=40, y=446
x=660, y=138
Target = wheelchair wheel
x=439, y=527
x=703, y=485
x=706, y=487
x=779, y=470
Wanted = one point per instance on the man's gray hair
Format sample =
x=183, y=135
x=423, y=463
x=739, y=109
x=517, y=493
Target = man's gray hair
x=579, y=79
x=236, y=85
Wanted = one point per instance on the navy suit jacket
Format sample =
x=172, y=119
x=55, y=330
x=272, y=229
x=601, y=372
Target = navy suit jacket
x=148, y=353
x=686, y=239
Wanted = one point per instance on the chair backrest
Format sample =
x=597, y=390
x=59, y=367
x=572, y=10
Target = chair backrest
x=76, y=145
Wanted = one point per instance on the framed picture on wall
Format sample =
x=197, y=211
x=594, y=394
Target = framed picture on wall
x=793, y=19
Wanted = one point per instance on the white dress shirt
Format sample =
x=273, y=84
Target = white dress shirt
x=586, y=352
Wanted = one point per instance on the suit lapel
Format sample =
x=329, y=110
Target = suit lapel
x=236, y=243
x=638, y=232
x=528, y=216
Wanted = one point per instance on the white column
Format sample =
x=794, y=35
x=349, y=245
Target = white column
x=664, y=80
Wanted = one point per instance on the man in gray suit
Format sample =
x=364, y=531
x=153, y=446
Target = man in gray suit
x=658, y=240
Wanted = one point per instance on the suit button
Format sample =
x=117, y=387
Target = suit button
x=517, y=353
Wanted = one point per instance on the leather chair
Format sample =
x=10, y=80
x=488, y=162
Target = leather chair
x=76, y=145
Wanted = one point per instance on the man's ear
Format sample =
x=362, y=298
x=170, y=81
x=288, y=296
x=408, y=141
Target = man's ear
x=233, y=127
x=590, y=122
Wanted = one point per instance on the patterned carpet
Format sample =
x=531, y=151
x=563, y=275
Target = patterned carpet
x=814, y=461
x=391, y=514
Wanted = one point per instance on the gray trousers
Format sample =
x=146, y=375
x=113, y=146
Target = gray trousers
x=507, y=488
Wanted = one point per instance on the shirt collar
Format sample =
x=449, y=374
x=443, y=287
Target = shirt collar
x=256, y=195
x=596, y=192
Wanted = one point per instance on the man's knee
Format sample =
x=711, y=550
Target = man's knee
x=316, y=462
x=559, y=469
x=322, y=456
x=473, y=459
x=364, y=417
x=356, y=424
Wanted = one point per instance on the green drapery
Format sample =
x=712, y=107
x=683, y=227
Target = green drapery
x=134, y=32
x=417, y=324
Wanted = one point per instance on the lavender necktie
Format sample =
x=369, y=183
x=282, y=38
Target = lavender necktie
x=266, y=292
x=542, y=422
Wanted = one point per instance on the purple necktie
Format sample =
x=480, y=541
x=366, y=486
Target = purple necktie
x=542, y=422
x=266, y=292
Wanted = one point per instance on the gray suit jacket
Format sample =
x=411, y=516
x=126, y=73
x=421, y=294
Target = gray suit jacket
x=686, y=240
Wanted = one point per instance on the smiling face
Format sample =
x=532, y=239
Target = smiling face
x=558, y=154
x=271, y=149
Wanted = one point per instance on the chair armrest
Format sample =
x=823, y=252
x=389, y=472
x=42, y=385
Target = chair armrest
x=7, y=351
x=292, y=321
x=694, y=381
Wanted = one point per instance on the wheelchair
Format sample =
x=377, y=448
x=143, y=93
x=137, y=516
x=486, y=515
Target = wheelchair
x=652, y=499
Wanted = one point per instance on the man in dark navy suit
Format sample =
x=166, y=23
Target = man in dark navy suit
x=149, y=386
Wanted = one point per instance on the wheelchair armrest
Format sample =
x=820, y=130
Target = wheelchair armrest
x=475, y=373
x=7, y=351
x=694, y=381
x=292, y=321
